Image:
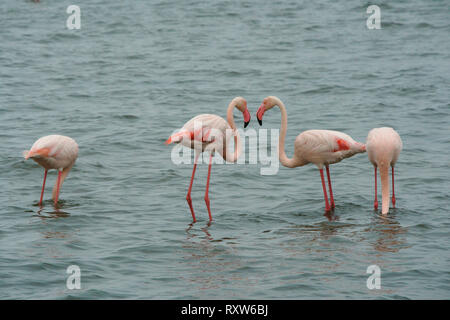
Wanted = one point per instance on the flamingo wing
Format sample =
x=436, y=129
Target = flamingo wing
x=324, y=146
x=202, y=135
x=320, y=141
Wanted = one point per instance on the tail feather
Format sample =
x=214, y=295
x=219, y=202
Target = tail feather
x=25, y=154
x=168, y=141
x=180, y=135
x=176, y=137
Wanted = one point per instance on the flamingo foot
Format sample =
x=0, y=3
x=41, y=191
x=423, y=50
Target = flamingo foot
x=188, y=196
x=393, y=188
x=207, y=187
x=43, y=187
x=208, y=206
x=327, y=205
x=58, y=186
x=189, y=201
x=329, y=187
x=375, y=205
x=331, y=216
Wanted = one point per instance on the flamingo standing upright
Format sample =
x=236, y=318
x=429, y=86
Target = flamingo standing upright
x=54, y=152
x=383, y=148
x=209, y=132
x=321, y=147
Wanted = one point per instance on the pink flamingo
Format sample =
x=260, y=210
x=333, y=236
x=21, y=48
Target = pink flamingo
x=383, y=148
x=54, y=152
x=321, y=147
x=209, y=132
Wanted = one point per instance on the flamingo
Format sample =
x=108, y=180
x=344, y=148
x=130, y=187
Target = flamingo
x=54, y=152
x=209, y=132
x=321, y=147
x=383, y=148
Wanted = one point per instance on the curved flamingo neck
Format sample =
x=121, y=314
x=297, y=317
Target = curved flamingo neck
x=384, y=175
x=237, y=139
x=285, y=161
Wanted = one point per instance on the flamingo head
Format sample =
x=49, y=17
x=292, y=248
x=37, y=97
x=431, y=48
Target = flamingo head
x=241, y=104
x=268, y=103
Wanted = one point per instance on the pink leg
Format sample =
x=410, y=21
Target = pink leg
x=188, y=196
x=327, y=205
x=375, y=203
x=329, y=187
x=393, y=190
x=207, y=187
x=58, y=186
x=43, y=187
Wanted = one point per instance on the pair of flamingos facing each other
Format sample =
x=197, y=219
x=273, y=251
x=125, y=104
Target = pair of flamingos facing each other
x=320, y=147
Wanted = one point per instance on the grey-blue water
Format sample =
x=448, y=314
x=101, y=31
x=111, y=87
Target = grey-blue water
x=137, y=70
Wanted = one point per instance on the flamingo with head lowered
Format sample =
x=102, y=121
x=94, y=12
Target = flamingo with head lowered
x=54, y=152
x=383, y=148
x=209, y=132
x=321, y=147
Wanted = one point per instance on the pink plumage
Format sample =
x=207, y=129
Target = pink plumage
x=324, y=147
x=54, y=152
x=321, y=147
x=383, y=149
x=209, y=132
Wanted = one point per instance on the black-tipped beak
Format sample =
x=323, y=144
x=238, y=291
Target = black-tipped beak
x=247, y=117
x=260, y=113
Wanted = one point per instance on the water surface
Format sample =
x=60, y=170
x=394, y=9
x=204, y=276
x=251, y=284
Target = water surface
x=137, y=70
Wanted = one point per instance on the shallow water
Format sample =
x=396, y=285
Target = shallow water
x=137, y=70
